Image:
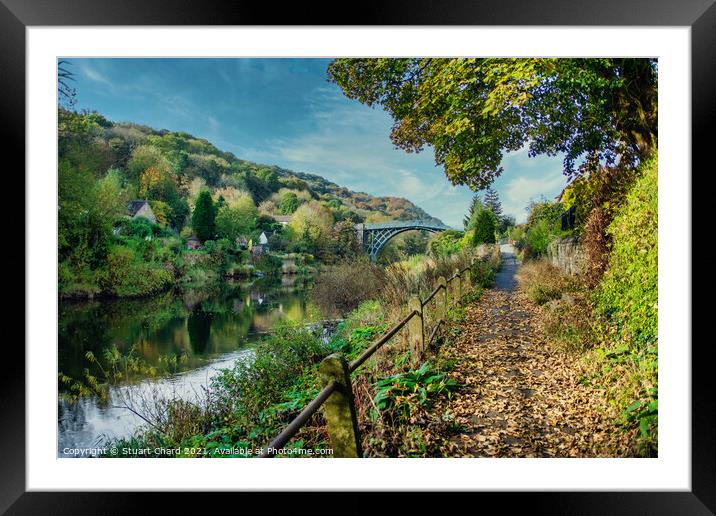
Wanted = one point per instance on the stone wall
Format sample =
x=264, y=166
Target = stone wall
x=567, y=254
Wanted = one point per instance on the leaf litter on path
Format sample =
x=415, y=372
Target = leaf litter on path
x=519, y=397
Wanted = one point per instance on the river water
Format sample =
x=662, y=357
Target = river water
x=205, y=331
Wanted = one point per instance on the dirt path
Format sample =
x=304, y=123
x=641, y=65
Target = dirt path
x=519, y=398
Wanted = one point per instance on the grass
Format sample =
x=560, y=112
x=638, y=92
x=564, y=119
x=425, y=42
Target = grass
x=543, y=282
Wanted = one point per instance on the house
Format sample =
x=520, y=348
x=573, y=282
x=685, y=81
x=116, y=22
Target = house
x=261, y=246
x=284, y=220
x=141, y=208
x=193, y=242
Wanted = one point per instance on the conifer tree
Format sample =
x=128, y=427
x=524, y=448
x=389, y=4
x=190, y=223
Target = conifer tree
x=476, y=207
x=492, y=202
x=485, y=228
x=202, y=220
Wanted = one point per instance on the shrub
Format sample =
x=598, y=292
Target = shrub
x=251, y=387
x=446, y=243
x=342, y=287
x=73, y=282
x=537, y=239
x=627, y=295
x=128, y=276
x=570, y=324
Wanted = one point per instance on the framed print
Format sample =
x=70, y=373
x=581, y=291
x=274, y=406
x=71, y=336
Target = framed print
x=454, y=242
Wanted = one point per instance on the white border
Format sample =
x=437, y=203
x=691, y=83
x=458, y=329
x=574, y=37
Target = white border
x=670, y=471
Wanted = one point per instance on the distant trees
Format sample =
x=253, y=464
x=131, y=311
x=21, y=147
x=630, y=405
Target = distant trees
x=144, y=157
x=202, y=220
x=415, y=242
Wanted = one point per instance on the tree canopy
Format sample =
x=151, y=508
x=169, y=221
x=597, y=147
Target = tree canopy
x=472, y=111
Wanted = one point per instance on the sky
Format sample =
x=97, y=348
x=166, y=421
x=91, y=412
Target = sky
x=284, y=112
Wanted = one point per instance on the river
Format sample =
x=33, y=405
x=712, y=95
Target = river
x=205, y=331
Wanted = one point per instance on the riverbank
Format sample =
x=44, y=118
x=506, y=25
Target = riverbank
x=244, y=406
x=162, y=338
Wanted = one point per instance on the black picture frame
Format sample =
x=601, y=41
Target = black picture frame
x=700, y=15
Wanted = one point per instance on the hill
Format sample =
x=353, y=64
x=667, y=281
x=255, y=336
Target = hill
x=197, y=159
x=193, y=190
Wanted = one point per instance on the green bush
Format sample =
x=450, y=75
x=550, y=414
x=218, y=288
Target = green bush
x=127, y=275
x=627, y=295
x=73, y=282
x=249, y=388
x=446, y=243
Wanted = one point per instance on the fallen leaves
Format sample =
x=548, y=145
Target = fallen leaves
x=520, y=398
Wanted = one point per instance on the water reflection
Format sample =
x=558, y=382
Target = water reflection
x=208, y=329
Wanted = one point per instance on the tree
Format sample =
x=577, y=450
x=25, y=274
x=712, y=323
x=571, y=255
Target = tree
x=485, y=228
x=162, y=212
x=237, y=219
x=415, y=242
x=472, y=111
x=144, y=157
x=492, y=202
x=86, y=212
x=343, y=242
x=470, y=218
x=202, y=220
x=289, y=203
x=311, y=222
x=506, y=223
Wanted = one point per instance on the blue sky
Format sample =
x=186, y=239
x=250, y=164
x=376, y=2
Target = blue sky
x=284, y=112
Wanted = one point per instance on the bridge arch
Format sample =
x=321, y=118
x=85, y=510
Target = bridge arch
x=373, y=237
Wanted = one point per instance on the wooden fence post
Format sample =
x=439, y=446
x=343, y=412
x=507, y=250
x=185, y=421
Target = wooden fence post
x=458, y=288
x=340, y=407
x=467, y=277
x=416, y=334
x=442, y=299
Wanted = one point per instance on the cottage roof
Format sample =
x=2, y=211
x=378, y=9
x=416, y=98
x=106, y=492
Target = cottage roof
x=134, y=206
x=283, y=218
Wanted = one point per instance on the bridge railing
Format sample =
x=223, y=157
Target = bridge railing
x=336, y=396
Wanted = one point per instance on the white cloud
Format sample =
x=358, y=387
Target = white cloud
x=93, y=74
x=519, y=191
